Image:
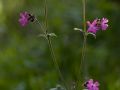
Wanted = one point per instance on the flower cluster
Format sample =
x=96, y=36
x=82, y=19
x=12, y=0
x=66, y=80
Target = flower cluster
x=25, y=18
x=97, y=24
x=91, y=85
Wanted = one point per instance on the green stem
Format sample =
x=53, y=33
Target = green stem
x=85, y=39
x=46, y=21
x=84, y=15
x=42, y=28
x=52, y=53
x=51, y=47
x=84, y=45
x=81, y=63
x=85, y=34
x=83, y=52
x=55, y=61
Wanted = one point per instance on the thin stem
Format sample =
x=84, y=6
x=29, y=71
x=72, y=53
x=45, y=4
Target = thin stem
x=51, y=46
x=55, y=61
x=84, y=15
x=85, y=35
x=52, y=52
x=84, y=44
x=82, y=62
x=83, y=52
x=46, y=21
x=42, y=28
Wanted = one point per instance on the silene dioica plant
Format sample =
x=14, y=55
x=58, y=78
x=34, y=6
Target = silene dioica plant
x=93, y=27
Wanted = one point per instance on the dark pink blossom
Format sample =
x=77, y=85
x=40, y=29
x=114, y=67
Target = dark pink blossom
x=93, y=28
x=104, y=24
x=24, y=18
x=97, y=24
x=91, y=85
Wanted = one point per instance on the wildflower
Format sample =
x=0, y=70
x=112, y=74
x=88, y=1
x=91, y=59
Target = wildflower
x=25, y=18
x=93, y=28
x=97, y=24
x=91, y=85
x=104, y=24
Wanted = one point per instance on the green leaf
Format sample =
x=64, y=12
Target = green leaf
x=77, y=29
x=52, y=35
x=42, y=35
x=94, y=35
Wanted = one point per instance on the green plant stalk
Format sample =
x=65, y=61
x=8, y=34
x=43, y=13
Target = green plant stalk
x=52, y=52
x=84, y=15
x=55, y=61
x=84, y=45
x=83, y=52
x=46, y=21
x=85, y=35
x=51, y=47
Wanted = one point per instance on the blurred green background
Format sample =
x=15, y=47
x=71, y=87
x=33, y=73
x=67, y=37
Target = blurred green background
x=25, y=61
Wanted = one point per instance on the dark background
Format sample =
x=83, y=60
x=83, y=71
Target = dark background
x=25, y=61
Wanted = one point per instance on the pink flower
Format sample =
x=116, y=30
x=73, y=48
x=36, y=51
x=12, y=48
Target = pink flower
x=93, y=28
x=96, y=25
x=104, y=24
x=91, y=85
x=23, y=20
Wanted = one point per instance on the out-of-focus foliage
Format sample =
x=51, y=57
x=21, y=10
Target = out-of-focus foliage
x=25, y=61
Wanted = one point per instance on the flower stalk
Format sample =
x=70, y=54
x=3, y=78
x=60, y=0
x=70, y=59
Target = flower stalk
x=84, y=34
x=84, y=45
x=48, y=37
